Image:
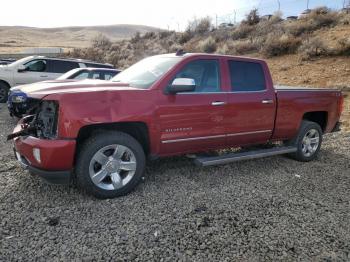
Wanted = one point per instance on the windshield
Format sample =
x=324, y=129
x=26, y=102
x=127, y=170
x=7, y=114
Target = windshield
x=20, y=61
x=144, y=73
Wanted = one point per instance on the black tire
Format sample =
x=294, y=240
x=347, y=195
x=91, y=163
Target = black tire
x=305, y=127
x=93, y=145
x=4, y=89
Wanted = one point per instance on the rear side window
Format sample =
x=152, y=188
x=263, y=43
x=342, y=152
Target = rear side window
x=109, y=75
x=59, y=66
x=246, y=76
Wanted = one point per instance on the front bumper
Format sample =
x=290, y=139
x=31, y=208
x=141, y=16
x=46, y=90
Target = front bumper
x=52, y=177
x=56, y=157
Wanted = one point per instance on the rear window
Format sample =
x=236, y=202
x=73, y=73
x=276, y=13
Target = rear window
x=58, y=66
x=246, y=76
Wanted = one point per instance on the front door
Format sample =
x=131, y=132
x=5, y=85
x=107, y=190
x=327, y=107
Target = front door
x=35, y=71
x=193, y=121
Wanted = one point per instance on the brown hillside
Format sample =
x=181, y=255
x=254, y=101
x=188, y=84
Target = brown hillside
x=16, y=38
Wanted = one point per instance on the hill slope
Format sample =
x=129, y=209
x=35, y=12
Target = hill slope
x=17, y=38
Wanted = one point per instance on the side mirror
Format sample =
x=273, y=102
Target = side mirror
x=21, y=68
x=181, y=85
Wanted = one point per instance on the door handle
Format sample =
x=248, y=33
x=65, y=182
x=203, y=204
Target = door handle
x=267, y=101
x=218, y=103
x=43, y=76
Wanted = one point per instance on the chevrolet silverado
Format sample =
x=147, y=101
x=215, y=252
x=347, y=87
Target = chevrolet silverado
x=101, y=134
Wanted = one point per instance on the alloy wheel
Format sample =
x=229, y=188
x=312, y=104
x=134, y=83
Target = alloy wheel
x=112, y=167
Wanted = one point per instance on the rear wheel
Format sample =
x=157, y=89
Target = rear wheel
x=4, y=89
x=308, y=141
x=110, y=164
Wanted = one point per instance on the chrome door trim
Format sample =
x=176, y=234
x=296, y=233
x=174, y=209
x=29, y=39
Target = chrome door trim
x=210, y=137
x=222, y=92
x=191, y=139
x=249, y=133
x=218, y=103
x=267, y=101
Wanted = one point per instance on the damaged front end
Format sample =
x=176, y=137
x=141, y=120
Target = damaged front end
x=42, y=124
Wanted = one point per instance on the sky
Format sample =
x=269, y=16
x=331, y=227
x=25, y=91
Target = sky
x=158, y=13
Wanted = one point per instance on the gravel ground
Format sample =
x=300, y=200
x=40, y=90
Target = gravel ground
x=267, y=209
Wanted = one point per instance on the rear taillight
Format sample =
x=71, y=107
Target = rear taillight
x=341, y=104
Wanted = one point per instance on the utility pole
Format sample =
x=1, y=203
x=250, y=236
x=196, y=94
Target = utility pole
x=307, y=4
x=216, y=20
x=235, y=16
x=279, y=5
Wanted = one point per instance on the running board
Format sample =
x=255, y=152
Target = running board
x=234, y=157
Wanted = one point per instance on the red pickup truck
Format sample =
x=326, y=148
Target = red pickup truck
x=166, y=105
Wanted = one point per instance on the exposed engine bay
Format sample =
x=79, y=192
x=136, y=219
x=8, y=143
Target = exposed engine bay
x=42, y=124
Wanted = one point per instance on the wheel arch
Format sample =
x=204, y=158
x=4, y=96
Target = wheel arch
x=138, y=130
x=319, y=117
x=5, y=82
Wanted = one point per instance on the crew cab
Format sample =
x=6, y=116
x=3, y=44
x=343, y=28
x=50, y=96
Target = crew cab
x=19, y=103
x=33, y=69
x=167, y=105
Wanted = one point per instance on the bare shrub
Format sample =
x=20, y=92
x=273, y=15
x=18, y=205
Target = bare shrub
x=136, y=38
x=312, y=48
x=199, y=26
x=343, y=47
x=149, y=35
x=318, y=18
x=185, y=37
x=242, y=31
x=277, y=45
x=252, y=18
x=164, y=34
x=208, y=45
x=245, y=47
x=101, y=41
x=323, y=16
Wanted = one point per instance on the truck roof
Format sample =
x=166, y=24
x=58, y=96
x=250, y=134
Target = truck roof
x=208, y=55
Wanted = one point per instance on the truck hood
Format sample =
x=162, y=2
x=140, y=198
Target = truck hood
x=42, y=89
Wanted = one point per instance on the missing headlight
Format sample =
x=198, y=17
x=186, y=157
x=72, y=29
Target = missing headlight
x=46, y=119
x=43, y=124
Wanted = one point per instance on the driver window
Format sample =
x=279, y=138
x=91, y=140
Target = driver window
x=36, y=66
x=205, y=73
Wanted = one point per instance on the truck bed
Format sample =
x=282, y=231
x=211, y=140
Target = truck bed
x=294, y=102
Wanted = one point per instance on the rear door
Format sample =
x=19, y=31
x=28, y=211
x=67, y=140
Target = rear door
x=192, y=121
x=56, y=68
x=251, y=103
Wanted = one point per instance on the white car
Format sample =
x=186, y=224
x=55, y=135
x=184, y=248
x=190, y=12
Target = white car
x=38, y=68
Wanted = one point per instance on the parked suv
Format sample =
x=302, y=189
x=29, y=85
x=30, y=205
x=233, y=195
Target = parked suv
x=38, y=68
x=19, y=102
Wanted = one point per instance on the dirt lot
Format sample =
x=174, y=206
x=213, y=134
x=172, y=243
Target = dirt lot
x=267, y=209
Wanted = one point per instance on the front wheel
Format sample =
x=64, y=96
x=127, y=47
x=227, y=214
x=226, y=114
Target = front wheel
x=308, y=141
x=110, y=164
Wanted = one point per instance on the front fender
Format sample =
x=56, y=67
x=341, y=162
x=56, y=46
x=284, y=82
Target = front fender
x=77, y=110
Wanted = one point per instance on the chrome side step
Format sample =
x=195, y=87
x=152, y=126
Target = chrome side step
x=234, y=157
